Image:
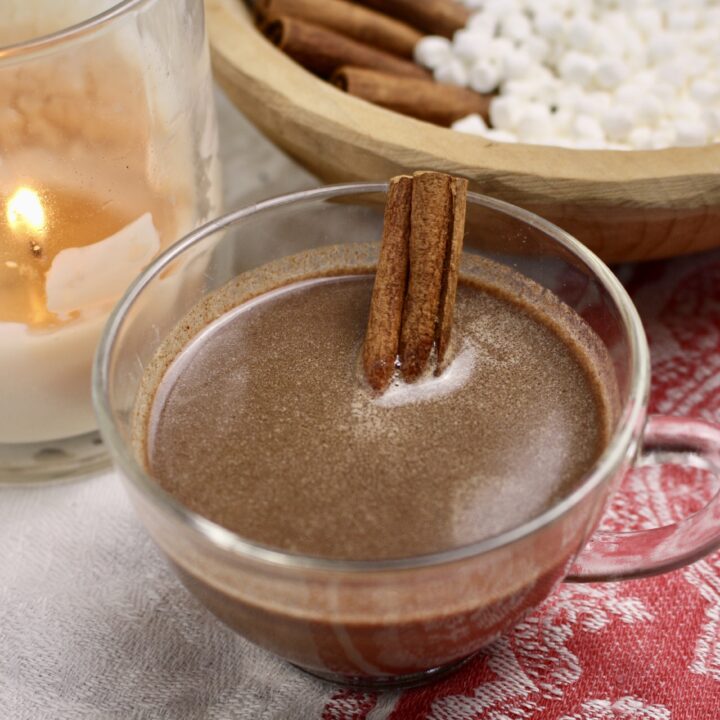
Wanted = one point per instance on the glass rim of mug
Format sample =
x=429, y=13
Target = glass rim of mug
x=92, y=24
x=623, y=439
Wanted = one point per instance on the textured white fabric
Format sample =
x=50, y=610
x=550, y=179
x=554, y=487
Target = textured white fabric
x=94, y=625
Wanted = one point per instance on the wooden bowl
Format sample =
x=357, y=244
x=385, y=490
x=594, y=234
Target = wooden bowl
x=624, y=205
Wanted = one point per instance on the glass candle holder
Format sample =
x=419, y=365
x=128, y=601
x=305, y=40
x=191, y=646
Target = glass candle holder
x=108, y=154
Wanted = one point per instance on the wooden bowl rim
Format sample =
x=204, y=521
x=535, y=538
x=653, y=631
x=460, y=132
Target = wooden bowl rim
x=682, y=176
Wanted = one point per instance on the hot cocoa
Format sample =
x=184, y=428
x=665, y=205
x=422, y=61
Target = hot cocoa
x=263, y=425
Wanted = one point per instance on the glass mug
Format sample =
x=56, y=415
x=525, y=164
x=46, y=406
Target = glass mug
x=400, y=622
x=108, y=154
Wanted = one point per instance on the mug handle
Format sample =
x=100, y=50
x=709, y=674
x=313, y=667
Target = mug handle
x=624, y=555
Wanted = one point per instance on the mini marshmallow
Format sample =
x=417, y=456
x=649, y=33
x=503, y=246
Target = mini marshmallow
x=515, y=26
x=466, y=43
x=516, y=64
x=549, y=24
x=682, y=19
x=452, y=72
x=662, y=47
x=645, y=77
x=501, y=136
x=534, y=123
x=694, y=63
x=648, y=20
x=505, y=112
x=707, y=38
x=672, y=73
x=540, y=74
x=628, y=92
x=664, y=138
x=649, y=109
x=711, y=17
x=499, y=49
x=484, y=76
x=562, y=121
x=593, y=104
x=615, y=20
x=472, y=124
x=568, y=96
x=641, y=138
x=686, y=108
x=608, y=44
x=586, y=127
x=523, y=89
x=533, y=7
x=577, y=67
x=610, y=72
x=581, y=32
x=634, y=46
x=664, y=92
x=705, y=91
x=499, y=7
x=690, y=132
x=432, y=51
x=618, y=122
x=484, y=22
x=712, y=122
x=536, y=47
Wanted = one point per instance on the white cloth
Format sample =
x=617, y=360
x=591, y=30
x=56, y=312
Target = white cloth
x=94, y=625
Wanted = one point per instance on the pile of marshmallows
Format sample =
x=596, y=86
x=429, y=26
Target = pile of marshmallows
x=623, y=74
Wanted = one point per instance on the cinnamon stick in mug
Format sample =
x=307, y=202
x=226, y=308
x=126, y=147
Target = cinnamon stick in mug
x=354, y=21
x=413, y=301
x=430, y=233
x=382, y=338
x=451, y=271
x=422, y=99
x=436, y=17
x=322, y=51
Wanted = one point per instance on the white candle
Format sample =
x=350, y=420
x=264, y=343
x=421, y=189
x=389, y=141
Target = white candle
x=98, y=165
x=48, y=370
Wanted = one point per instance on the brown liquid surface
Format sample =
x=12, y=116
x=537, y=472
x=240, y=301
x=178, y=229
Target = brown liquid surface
x=261, y=424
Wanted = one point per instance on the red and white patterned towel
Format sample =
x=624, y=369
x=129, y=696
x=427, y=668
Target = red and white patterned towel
x=639, y=650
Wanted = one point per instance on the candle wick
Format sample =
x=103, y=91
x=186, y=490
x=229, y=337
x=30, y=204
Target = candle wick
x=35, y=248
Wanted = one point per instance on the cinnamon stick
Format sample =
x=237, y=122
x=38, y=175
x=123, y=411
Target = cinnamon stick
x=354, y=21
x=322, y=51
x=458, y=192
x=413, y=300
x=422, y=99
x=429, y=237
x=382, y=338
x=435, y=17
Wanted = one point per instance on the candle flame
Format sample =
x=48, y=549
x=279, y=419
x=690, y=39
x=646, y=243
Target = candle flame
x=25, y=210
